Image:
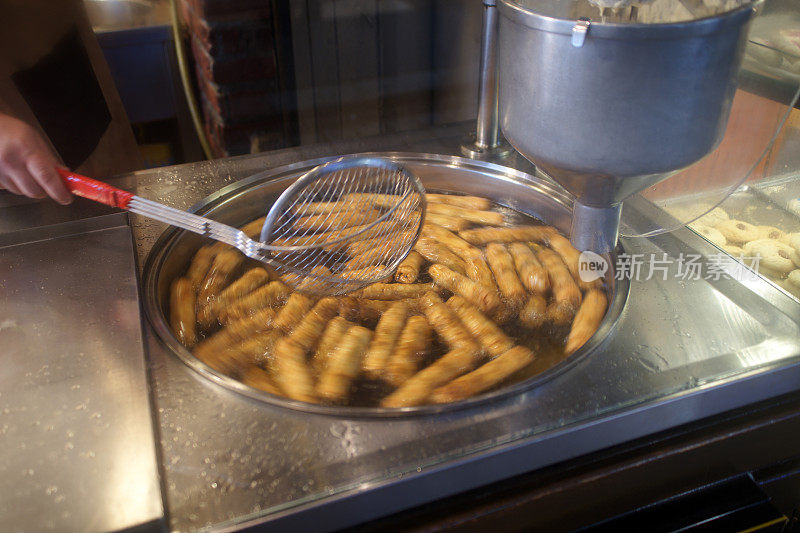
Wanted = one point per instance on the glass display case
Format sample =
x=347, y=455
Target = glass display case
x=756, y=163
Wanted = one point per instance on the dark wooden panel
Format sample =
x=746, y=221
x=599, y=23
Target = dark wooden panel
x=406, y=64
x=303, y=72
x=457, y=54
x=357, y=39
x=614, y=482
x=325, y=69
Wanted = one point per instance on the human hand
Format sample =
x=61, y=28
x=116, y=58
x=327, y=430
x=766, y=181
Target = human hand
x=27, y=166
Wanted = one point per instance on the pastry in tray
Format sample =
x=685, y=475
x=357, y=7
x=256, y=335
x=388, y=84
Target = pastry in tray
x=777, y=249
x=485, y=294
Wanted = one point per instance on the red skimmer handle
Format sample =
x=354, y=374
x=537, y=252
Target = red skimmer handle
x=95, y=190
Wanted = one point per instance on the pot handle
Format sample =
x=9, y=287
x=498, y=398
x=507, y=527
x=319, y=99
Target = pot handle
x=95, y=190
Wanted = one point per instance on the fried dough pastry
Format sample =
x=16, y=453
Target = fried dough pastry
x=413, y=342
x=344, y=365
x=182, y=317
x=383, y=343
x=485, y=376
x=514, y=234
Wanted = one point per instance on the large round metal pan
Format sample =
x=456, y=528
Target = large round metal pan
x=250, y=198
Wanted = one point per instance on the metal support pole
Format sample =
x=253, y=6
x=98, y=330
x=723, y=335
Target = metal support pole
x=487, y=142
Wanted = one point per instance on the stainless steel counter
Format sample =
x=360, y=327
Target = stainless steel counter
x=682, y=350
x=75, y=422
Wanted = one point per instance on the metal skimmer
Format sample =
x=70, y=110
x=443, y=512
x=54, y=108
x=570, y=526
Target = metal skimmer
x=343, y=225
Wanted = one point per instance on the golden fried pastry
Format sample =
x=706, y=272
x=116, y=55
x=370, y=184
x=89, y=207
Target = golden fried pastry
x=587, y=320
x=385, y=201
x=445, y=221
x=236, y=331
x=250, y=281
x=308, y=331
x=344, y=365
x=383, y=343
x=253, y=229
x=359, y=247
x=293, y=312
x=225, y=361
x=364, y=232
x=711, y=234
x=330, y=339
x=770, y=232
x=408, y=270
x=259, y=379
x=737, y=231
x=503, y=315
x=490, y=218
x=484, y=298
x=563, y=285
x=517, y=233
x=279, y=340
x=478, y=270
x=306, y=283
x=291, y=371
x=435, y=252
x=219, y=274
x=236, y=358
x=371, y=258
x=534, y=314
x=571, y=257
x=713, y=217
x=502, y=265
x=380, y=272
x=416, y=389
x=393, y=291
x=488, y=334
x=560, y=313
x=182, y=317
x=342, y=219
x=362, y=309
x=272, y=294
x=469, y=202
x=457, y=245
x=774, y=254
x=445, y=322
x=485, y=376
x=316, y=208
x=407, y=354
x=200, y=264
x=258, y=349
x=531, y=272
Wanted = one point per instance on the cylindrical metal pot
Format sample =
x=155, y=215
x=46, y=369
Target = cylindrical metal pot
x=616, y=99
x=611, y=109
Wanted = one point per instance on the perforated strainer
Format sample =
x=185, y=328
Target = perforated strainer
x=343, y=225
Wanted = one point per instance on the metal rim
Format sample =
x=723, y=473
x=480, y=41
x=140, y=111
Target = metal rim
x=671, y=30
x=167, y=241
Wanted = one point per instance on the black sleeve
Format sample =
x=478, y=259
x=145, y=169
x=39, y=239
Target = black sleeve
x=63, y=92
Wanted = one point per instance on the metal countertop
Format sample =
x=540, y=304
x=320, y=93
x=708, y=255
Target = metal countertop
x=79, y=452
x=682, y=350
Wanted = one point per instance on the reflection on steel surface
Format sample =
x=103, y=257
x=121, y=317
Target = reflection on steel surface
x=75, y=425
